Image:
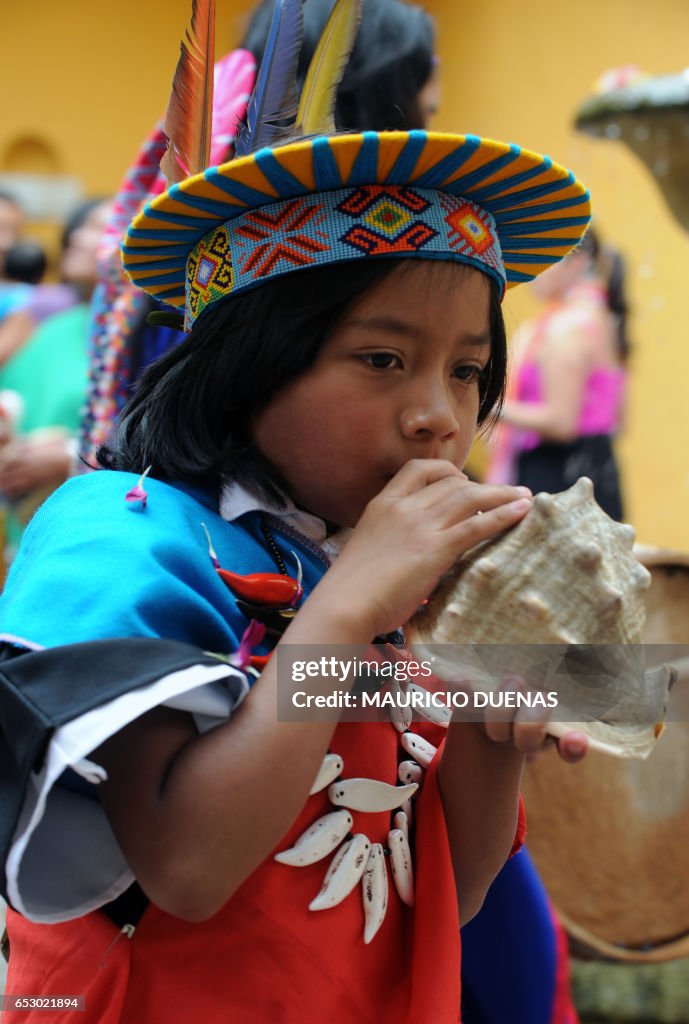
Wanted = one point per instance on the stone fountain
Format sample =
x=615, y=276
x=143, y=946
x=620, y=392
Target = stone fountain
x=650, y=114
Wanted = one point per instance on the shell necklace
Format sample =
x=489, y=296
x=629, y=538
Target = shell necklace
x=271, y=601
x=356, y=859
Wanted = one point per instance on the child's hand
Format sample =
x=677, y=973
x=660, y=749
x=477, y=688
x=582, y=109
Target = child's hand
x=409, y=535
x=532, y=737
x=527, y=729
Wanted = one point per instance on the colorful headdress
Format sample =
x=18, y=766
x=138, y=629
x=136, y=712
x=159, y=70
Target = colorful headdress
x=325, y=199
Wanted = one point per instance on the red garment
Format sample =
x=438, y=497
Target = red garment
x=564, y=1010
x=265, y=957
x=520, y=834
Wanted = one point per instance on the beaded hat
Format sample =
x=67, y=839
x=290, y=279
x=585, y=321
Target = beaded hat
x=279, y=209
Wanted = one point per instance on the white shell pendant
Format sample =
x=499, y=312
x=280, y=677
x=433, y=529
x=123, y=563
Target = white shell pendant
x=369, y=794
x=428, y=711
x=419, y=748
x=409, y=771
x=401, y=864
x=407, y=807
x=374, y=891
x=345, y=871
x=401, y=717
x=401, y=821
x=329, y=770
x=318, y=841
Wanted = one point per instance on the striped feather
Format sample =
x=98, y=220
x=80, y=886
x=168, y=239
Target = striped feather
x=187, y=121
x=316, y=115
x=272, y=108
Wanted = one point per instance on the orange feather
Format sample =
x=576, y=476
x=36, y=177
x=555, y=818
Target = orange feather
x=187, y=121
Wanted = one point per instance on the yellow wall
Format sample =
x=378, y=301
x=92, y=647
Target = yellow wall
x=90, y=79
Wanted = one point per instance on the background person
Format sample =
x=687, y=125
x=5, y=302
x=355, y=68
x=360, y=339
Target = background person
x=48, y=373
x=25, y=265
x=392, y=80
x=11, y=224
x=565, y=404
x=45, y=299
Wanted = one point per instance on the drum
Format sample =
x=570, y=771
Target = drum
x=610, y=836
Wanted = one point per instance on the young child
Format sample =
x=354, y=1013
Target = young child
x=345, y=340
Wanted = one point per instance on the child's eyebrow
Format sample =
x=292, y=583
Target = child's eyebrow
x=476, y=340
x=391, y=325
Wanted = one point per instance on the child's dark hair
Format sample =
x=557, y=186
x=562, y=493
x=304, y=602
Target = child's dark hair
x=191, y=414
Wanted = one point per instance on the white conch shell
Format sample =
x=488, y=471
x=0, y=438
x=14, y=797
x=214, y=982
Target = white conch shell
x=329, y=770
x=409, y=771
x=401, y=864
x=565, y=575
x=369, y=794
x=345, y=871
x=417, y=747
x=318, y=841
x=374, y=891
x=426, y=710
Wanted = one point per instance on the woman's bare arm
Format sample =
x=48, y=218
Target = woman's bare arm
x=564, y=360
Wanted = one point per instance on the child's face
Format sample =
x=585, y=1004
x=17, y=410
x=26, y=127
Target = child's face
x=397, y=380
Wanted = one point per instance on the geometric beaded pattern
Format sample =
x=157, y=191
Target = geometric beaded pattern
x=331, y=198
x=335, y=227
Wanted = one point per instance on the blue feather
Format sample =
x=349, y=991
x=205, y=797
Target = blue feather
x=272, y=109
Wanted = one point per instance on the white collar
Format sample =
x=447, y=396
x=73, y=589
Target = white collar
x=236, y=501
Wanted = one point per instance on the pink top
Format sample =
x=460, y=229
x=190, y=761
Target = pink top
x=601, y=405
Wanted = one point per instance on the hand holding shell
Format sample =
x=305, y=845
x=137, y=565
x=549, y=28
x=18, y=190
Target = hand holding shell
x=566, y=577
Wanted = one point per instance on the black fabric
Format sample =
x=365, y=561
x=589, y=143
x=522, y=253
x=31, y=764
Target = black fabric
x=42, y=690
x=555, y=467
x=128, y=908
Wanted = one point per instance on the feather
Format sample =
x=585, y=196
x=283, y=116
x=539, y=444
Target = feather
x=272, y=108
x=316, y=115
x=187, y=122
x=234, y=79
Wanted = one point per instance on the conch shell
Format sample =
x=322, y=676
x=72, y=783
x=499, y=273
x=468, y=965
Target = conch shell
x=566, y=575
